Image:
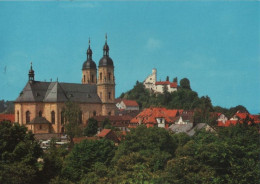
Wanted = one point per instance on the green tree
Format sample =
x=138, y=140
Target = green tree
x=167, y=78
x=185, y=83
x=18, y=154
x=72, y=125
x=91, y=128
x=85, y=155
x=175, y=79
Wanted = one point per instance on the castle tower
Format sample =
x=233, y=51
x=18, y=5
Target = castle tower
x=106, y=82
x=89, y=69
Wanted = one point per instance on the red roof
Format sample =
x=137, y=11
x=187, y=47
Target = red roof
x=131, y=103
x=172, y=84
x=104, y=133
x=7, y=117
x=149, y=115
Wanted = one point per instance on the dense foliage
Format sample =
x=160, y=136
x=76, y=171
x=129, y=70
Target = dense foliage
x=18, y=154
x=92, y=127
x=146, y=155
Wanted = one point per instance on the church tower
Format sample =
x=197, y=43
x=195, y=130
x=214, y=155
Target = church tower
x=89, y=69
x=106, y=82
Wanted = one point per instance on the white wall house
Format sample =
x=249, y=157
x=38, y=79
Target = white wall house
x=152, y=84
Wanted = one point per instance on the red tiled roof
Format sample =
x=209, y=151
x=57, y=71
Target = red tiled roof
x=7, y=117
x=149, y=115
x=104, y=132
x=131, y=103
x=172, y=84
x=227, y=123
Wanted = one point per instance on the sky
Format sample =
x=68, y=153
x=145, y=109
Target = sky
x=214, y=44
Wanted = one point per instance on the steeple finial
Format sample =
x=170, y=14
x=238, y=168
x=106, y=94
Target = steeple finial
x=106, y=47
x=31, y=74
x=106, y=37
x=89, y=51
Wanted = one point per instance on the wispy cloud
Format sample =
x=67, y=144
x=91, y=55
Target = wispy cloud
x=153, y=44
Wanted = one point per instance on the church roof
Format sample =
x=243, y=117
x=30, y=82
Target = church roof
x=58, y=92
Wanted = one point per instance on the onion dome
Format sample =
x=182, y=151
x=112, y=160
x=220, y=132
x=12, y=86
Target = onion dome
x=89, y=63
x=106, y=60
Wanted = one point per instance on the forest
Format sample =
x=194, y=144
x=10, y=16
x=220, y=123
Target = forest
x=145, y=155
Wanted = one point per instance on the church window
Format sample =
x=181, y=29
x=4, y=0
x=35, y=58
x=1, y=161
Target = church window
x=109, y=95
x=100, y=76
x=80, y=117
x=62, y=130
x=40, y=113
x=62, y=117
x=100, y=95
x=109, y=76
x=52, y=117
x=40, y=127
x=84, y=78
x=27, y=115
x=92, y=78
x=94, y=113
x=109, y=113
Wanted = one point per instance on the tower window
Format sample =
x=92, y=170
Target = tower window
x=109, y=76
x=94, y=113
x=109, y=95
x=40, y=127
x=52, y=117
x=27, y=116
x=100, y=76
x=92, y=78
x=40, y=113
x=109, y=113
x=84, y=78
x=100, y=95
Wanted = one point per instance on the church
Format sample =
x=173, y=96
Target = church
x=40, y=105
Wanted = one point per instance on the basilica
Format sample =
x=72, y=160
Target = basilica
x=40, y=105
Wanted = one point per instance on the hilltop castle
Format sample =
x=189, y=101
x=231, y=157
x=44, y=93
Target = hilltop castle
x=40, y=105
x=152, y=84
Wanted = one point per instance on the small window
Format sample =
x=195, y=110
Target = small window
x=100, y=76
x=109, y=113
x=52, y=117
x=84, y=78
x=109, y=95
x=109, y=76
x=28, y=116
x=40, y=113
x=40, y=127
x=62, y=117
x=94, y=113
x=100, y=95
x=92, y=78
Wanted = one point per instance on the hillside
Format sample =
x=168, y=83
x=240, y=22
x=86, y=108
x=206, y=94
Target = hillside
x=185, y=98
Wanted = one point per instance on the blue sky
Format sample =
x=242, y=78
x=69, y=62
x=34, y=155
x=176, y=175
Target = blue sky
x=214, y=44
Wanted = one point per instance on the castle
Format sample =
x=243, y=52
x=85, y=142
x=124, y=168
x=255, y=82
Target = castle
x=40, y=106
x=152, y=84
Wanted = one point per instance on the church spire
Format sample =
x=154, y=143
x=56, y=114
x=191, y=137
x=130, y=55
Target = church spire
x=106, y=47
x=89, y=51
x=31, y=74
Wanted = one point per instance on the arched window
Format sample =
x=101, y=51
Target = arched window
x=27, y=116
x=109, y=76
x=92, y=78
x=62, y=117
x=52, y=117
x=84, y=78
x=109, y=113
x=17, y=116
x=94, y=113
x=100, y=76
x=80, y=117
x=109, y=95
x=40, y=113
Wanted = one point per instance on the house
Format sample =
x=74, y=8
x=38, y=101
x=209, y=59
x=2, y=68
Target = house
x=156, y=117
x=185, y=118
x=128, y=105
x=152, y=84
x=108, y=134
